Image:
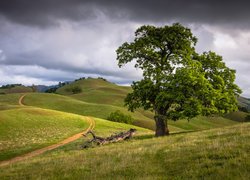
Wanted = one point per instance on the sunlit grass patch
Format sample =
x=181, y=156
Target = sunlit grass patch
x=25, y=129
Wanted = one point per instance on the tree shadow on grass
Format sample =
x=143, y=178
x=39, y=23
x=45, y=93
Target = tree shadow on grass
x=183, y=132
x=149, y=136
x=146, y=136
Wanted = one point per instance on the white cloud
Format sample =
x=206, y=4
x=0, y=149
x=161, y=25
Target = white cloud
x=224, y=41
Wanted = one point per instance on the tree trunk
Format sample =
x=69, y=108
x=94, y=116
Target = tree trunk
x=161, y=125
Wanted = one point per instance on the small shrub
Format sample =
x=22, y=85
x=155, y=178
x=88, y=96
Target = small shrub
x=242, y=108
x=247, y=118
x=51, y=90
x=102, y=78
x=76, y=90
x=81, y=78
x=118, y=116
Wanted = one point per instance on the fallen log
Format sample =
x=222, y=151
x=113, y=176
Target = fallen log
x=96, y=140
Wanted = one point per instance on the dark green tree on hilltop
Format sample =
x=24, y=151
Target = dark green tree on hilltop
x=177, y=82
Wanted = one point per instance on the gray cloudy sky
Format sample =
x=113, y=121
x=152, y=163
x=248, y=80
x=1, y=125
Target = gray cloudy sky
x=46, y=41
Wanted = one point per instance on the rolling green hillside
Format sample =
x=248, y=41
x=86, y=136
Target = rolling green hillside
x=99, y=91
x=96, y=91
x=213, y=154
x=49, y=118
x=68, y=104
x=99, y=98
x=25, y=129
x=9, y=101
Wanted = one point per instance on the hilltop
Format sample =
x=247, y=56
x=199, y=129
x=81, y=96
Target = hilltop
x=96, y=91
x=15, y=88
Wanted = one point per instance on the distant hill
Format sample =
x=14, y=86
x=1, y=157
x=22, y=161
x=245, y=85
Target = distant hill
x=43, y=88
x=244, y=102
x=96, y=91
x=15, y=88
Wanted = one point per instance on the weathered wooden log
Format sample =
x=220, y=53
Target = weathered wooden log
x=113, y=138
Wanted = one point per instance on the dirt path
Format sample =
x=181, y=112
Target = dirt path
x=20, y=102
x=51, y=147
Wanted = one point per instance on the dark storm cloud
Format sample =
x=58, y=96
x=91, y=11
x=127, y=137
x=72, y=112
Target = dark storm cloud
x=44, y=12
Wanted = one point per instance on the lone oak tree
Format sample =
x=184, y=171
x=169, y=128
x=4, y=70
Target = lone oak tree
x=177, y=82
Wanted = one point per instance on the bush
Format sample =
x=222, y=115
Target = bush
x=242, y=108
x=76, y=90
x=51, y=90
x=247, y=118
x=118, y=116
x=102, y=78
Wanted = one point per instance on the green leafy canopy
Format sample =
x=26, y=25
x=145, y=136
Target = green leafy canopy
x=177, y=82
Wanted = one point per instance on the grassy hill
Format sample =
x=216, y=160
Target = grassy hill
x=99, y=98
x=96, y=91
x=15, y=89
x=244, y=102
x=68, y=104
x=99, y=91
x=9, y=101
x=25, y=129
x=221, y=153
x=49, y=118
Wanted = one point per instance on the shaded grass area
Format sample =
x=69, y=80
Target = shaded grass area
x=237, y=116
x=221, y=153
x=201, y=123
x=25, y=129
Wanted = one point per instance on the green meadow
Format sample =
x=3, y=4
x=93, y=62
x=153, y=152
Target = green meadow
x=213, y=147
x=221, y=153
x=25, y=129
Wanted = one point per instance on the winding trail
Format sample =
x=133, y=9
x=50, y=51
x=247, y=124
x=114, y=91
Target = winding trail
x=20, y=101
x=48, y=148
